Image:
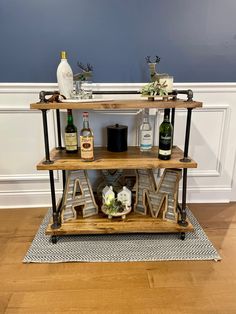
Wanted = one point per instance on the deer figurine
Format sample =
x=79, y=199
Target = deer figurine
x=152, y=67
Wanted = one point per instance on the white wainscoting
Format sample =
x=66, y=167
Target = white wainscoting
x=212, y=141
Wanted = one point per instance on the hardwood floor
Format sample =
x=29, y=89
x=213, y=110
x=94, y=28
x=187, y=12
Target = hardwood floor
x=151, y=287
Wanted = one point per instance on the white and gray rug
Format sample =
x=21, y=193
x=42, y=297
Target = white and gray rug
x=121, y=247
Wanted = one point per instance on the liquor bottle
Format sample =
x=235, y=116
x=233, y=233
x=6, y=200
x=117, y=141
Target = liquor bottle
x=71, y=138
x=86, y=140
x=145, y=134
x=65, y=76
x=165, y=137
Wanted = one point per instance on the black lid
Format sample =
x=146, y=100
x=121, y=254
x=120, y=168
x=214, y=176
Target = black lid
x=117, y=126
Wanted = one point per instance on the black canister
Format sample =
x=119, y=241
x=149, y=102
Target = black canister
x=117, y=138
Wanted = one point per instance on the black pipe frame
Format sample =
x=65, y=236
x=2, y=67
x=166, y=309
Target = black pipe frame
x=59, y=147
x=56, y=220
x=183, y=221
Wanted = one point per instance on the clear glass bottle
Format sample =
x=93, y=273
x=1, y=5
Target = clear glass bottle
x=146, y=133
x=165, y=137
x=86, y=140
x=65, y=76
x=71, y=138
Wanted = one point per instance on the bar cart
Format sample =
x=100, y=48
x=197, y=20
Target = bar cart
x=58, y=159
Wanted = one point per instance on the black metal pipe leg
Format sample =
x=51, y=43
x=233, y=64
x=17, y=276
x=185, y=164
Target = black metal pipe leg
x=187, y=136
x=46, y=141
x=59, y=147
x=173, y=121
x=54, y=239
x=64, y=179
x=55, y=214
x=173, y=117
x=183, y=222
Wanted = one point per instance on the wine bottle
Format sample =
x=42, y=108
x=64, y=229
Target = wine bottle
x=65, y=76
x=145, y=134
x=71, y=138
x=86, y=140
x=165, y=137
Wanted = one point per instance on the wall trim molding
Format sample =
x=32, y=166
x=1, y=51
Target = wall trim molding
x=225, y=109
x=32, y=88
x=26, y=176
x=23, y=177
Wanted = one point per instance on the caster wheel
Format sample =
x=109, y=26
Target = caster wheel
x=54, y=239
x=182, y=235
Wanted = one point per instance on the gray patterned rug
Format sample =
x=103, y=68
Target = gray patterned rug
x=121, y=247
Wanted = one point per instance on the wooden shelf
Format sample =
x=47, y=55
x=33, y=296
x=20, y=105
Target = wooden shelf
x=119, y=104
x=131, y=159
x=132, y=224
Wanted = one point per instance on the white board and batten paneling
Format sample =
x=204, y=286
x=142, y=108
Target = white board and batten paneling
x=212, y=142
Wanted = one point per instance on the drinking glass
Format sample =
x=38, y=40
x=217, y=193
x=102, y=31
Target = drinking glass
x=82, y=90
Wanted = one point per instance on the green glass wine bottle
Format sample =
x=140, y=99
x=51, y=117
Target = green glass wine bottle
x=71, y=138
x=165, y=137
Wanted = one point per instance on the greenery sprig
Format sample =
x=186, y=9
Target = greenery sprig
x=154, y=89
x=114, y=207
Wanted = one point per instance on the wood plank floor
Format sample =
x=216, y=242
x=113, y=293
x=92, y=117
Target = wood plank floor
x=150, y=287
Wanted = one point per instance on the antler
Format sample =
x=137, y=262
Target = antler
x=81, y=66
x=158, y=59
x=87, y=68
x=148, y=59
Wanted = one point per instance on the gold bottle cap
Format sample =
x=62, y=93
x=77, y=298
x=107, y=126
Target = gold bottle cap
x=63, y=55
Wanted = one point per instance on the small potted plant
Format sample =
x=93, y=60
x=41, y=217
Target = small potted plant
x=154, y=89
x=115, y=208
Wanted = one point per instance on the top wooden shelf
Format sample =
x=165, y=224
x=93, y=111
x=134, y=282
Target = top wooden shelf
x=118, y=104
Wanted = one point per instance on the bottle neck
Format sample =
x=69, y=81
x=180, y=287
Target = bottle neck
x=167, y=115
x=145, y=119
x=85, y=122
x=63, y=55
x=145, y=116
x=69, y=117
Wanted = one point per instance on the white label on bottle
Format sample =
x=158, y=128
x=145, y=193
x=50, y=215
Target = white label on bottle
x=71, y=141
x=86, y=146
x=166, y=137
x=164, y=152
x=146, y=139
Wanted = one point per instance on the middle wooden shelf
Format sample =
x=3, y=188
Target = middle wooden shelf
x=133, y=158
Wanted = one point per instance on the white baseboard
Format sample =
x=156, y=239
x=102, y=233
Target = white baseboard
x=27, y=199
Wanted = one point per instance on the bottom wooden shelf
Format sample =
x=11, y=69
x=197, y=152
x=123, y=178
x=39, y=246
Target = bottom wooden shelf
x=134, y=223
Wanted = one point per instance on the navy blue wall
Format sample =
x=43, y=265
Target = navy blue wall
x=196, y=39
